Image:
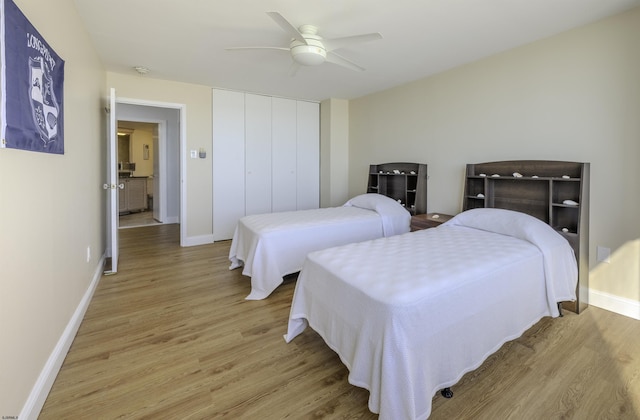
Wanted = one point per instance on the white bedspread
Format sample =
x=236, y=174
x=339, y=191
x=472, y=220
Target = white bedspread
x=272, y=245
x=410, y=314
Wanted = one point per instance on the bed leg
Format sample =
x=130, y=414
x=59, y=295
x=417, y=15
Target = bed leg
x=447, y=392
x=560, y=308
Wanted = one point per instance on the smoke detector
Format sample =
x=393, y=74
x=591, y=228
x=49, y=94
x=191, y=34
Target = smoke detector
x=141, y=70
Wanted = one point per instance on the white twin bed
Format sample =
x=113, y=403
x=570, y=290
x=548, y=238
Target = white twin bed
x=411, y=314
x=271, y=246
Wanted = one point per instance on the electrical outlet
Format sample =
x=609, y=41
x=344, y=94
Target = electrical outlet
x=88, y=253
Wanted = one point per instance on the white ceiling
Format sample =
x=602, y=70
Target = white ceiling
x=185, y=40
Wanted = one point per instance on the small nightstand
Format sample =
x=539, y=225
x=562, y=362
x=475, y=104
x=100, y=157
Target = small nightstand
x=429, y=220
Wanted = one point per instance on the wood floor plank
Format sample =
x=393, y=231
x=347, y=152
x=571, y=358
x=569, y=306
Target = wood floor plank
x=171, y=336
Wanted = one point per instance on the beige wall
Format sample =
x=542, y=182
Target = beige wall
x=199, y=178
x=140, y=134
x=575, y=96
x=334, y=152
x=139, y=138
x=52, y=209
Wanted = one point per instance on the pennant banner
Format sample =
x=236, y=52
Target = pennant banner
x=32, y=86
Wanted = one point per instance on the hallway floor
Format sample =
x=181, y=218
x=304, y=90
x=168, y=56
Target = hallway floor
x=143, y=218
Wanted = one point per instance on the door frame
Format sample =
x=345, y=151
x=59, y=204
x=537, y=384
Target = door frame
x=182, y=121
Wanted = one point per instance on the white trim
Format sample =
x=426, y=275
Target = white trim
x=198, y=240
x=160, y=190
x=183, y=175
x=613, y=303
x=42, y=387
x=144, y=102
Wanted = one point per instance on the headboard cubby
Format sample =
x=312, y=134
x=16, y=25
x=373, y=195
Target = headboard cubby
x=403, y=181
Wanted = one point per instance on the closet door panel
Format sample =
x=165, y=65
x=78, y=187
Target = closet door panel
x=308, y=155
x=283, y=143
x=257, y=154
x=228, y=162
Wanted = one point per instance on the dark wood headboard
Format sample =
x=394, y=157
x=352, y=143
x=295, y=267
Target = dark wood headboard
x=544, y=189
x=403, y=181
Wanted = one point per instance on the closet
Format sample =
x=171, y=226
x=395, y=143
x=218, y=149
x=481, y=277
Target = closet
x=266, y=157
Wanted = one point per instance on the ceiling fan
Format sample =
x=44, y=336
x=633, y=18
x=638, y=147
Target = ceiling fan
x=307, y=48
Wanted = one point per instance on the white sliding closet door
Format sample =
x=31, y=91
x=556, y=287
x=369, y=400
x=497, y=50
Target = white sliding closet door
x=283, y=143
x=308, y=155
x=257, y=154
x=266, y=157
x=228, y=162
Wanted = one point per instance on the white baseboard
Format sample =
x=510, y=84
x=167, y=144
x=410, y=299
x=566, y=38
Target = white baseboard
x=171, y=220
x=40, y=390
x=613, y=303
x=198, y=240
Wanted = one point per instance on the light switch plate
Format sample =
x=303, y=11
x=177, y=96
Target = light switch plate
x=603, y=254
x=194, y=154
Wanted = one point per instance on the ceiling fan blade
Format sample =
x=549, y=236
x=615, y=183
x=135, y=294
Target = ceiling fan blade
x=288, y=27
x=335, y=43
x=294, y=68
x=256, y=48
x=341, y=61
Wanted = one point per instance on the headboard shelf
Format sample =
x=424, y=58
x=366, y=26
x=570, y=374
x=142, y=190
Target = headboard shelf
x=405, y=182
x=555, y=192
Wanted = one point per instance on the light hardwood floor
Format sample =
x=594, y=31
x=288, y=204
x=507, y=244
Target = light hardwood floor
x=137, y=219
x=170, y=336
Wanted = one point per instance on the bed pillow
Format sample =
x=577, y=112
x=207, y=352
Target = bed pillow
x=395, y=218
x=506, y=222
x=560, y=265
x=371, y=201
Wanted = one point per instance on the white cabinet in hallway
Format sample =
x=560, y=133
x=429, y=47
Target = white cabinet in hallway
x=266, y=157
x=133, y=195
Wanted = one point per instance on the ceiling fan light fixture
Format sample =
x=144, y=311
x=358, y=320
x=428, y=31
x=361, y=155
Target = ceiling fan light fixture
x=307, y=48
x=309, y=55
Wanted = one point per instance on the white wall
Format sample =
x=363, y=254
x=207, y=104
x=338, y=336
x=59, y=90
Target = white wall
x=575, y=97
x=52, y=209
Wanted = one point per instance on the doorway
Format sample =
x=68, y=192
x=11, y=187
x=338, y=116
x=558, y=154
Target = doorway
x=164, y=148
x=138, y=172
